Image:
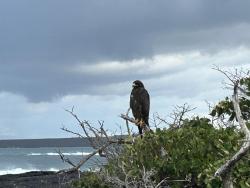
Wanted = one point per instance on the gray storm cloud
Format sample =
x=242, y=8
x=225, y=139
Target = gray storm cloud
x=42, y=40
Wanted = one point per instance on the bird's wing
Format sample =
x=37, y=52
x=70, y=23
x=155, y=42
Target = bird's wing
x=145, y=100
x=131, y=100
x=133, y=104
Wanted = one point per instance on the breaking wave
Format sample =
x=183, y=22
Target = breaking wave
x=22, y=170
x=54, y=153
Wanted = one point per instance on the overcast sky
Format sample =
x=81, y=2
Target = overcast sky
x=86, y=53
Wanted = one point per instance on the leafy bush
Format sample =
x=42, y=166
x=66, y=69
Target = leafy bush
x=192, y=152
x=187, y=156
x=225, y=107
x=90, y=180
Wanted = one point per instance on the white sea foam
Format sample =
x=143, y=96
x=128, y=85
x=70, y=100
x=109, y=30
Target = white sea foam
x=15, y=171
x=22, y=170
x=66, y=154
x=52, y=169
x=34, y=154
x=51, y=153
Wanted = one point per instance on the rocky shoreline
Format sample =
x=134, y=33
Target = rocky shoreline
x=38, y=179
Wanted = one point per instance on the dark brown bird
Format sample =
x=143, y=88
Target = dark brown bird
x=140, y=104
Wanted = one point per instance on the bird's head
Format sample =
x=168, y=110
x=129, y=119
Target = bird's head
x=137, y=84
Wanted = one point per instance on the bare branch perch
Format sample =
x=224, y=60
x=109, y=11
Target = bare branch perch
x=127, y=118
x=132, y=120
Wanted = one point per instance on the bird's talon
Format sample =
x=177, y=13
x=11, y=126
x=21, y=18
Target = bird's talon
x=141, y=123
x=137, y=121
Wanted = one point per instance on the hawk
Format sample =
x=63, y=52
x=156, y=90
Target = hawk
x=140, y=105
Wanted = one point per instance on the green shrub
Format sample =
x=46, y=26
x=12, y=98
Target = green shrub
x=90, y=180
x=194, y=151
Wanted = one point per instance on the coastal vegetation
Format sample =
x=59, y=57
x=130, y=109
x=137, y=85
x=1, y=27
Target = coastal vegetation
x=185, y=156
x=211, y=151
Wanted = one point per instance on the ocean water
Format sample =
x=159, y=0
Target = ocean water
x=20, y=160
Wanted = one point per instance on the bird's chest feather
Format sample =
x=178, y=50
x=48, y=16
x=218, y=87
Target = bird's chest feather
x=135, y=97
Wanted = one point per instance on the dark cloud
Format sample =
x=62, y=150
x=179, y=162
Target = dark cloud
x=41, y=40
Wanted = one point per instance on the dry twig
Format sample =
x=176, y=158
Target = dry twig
x=98, y=138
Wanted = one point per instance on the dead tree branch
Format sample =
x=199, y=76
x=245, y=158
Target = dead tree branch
x=128, y=129
x=177, y=116
x=72, y=132
x=99, y=139
x=225, y=170
x=132, y=120
x=127, y=118
x=65, y=159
